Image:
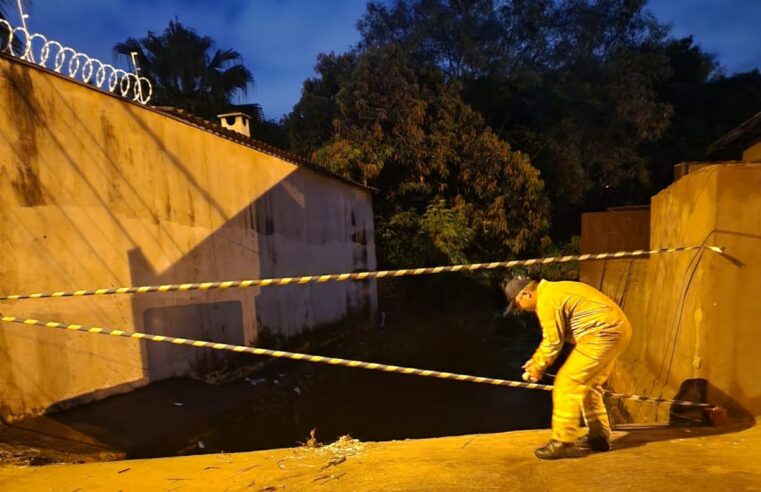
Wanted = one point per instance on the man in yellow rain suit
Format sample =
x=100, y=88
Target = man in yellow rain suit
x=579, y=314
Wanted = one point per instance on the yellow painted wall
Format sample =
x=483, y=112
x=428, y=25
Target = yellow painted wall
x=98, y=192
x=614, y=230
x=696, y=315
x=752, y=153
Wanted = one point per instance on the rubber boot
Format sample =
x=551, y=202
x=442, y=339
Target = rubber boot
x=556, y=450
x=595, y=443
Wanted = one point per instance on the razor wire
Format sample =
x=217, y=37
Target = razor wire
x=36, y=48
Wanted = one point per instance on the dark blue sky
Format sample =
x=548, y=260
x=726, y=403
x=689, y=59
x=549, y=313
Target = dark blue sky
x=280, y=39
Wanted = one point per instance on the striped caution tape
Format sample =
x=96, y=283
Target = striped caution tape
x=648, y=399
x=338, y=277
x=278, y=353
x=373, y=366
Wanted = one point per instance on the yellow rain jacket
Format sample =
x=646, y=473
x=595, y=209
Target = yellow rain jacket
x=577, y=313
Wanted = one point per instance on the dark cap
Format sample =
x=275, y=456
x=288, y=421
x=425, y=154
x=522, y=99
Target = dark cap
x=512, y=288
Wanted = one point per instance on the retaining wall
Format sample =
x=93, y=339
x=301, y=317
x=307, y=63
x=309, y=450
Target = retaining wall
x=696, y=315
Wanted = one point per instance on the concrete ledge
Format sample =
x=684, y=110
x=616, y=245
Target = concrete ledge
x=645, y=458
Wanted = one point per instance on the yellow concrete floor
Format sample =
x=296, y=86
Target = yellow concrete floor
x=725, y=458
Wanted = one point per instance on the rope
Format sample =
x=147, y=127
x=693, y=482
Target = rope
x=373, y=366
x=339, y=277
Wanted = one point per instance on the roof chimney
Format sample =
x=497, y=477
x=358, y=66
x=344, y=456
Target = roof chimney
x=237, y=122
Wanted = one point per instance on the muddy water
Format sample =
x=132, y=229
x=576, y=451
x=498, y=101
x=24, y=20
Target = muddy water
x=427, y=324
x=462, y=334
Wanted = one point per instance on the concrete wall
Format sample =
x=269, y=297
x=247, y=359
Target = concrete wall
x=99, y=192
x=614, y=230
x=753, y=153
x=696, y=315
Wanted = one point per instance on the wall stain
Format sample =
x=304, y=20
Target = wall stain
x=111, y=152
x=191, y=210
x=110, y=142
x=27, y=117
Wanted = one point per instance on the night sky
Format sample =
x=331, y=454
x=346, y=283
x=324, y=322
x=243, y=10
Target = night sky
x=280, y=39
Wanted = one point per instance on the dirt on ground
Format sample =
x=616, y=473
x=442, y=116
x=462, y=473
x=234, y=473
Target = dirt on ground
x=653, y=459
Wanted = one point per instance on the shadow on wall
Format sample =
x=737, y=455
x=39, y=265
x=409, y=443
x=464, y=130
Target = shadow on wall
x=285, y=232
x=40, y=375
x=700, y=390
x=89, y=207
x=292, y=229
x=697, y=419
x=693, y=316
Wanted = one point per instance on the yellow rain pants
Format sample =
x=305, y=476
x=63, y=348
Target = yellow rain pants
x=579, y=314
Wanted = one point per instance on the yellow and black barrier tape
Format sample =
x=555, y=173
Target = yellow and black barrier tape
x=276, y=353
x=651, y=399
x=373, y=366
x=339, y=277
x=647, y=399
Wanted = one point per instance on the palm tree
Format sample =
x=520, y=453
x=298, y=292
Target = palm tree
x=18, y=47
x=186, y=74
x=3, y=30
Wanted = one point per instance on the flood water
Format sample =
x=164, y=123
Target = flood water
x=462, y=334
x=428, y=323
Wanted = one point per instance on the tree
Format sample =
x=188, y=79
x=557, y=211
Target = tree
x=18, y=46
x=461, y=38
x=187, y=72
x=570, y=82
x=4, y=4
x=4, y=33
x=707, y=104
x=449, y=188
x=687, y=90
x=593, y=93
x=310, y=124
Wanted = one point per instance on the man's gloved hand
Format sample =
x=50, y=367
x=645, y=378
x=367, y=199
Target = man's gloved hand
x=532, y=372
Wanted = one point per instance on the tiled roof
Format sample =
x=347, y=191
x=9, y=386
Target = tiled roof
x=236, y=137
x=747, y=133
